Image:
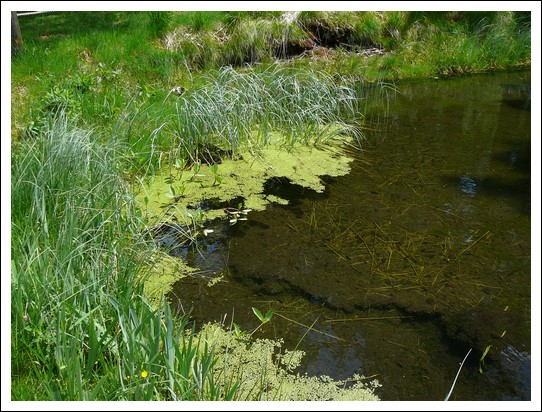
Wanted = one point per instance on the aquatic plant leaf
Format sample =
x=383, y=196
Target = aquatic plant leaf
x=268, y=316
x=482, y=358
x=258, y=314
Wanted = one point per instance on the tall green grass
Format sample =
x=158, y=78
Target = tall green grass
x=81, y=327
x=236, y=110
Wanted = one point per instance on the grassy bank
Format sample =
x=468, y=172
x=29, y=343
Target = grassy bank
x=82, y=326
x=82, y=329
x=95, y=63
x=100, y=99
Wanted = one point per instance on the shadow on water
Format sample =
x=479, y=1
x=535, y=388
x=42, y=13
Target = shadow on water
x=420, y=253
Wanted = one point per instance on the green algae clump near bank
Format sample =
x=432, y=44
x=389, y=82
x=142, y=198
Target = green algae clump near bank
x=245, y=360
x=163, y=272
x=170, y=194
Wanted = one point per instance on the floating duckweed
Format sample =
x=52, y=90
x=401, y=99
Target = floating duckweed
x=163, y=272
x=244, y=178
x=265, y=372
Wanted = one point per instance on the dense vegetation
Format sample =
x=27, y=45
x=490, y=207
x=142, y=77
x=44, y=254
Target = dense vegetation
x=100, y=98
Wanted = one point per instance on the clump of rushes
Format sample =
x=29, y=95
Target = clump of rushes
x=81, y=327
x=235, y=110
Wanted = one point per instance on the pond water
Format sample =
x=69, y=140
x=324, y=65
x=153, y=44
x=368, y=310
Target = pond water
x=419, y=254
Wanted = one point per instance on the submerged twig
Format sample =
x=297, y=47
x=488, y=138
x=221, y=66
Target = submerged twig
x=471, y=245
x=369, y=318
x=310, y=328
x=457, y=375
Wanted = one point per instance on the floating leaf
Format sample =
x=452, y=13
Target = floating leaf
x=482, y=358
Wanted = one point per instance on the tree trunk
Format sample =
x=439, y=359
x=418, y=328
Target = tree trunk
x=16, y=37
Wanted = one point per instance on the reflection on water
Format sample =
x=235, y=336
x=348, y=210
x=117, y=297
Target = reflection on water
x=420, y=253
x=468, y=186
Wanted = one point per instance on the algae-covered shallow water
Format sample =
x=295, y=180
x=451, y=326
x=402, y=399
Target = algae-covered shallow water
x=417, y=255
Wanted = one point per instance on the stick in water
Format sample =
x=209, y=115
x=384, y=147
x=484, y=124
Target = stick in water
x=456, y=376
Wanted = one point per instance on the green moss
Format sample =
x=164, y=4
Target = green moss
x=266, y=371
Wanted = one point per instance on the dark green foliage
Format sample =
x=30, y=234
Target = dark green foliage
x=158, y=22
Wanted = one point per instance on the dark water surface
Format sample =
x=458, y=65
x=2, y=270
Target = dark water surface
x=419, y=254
